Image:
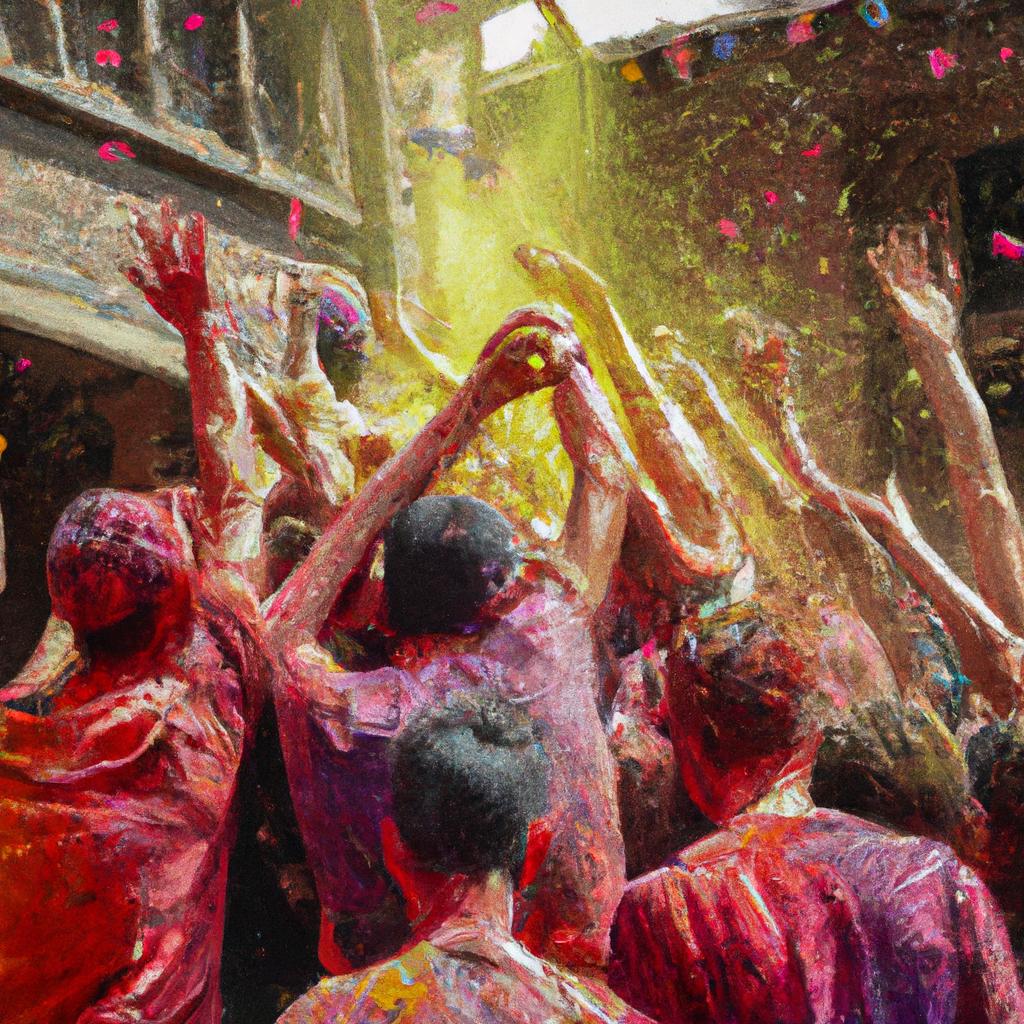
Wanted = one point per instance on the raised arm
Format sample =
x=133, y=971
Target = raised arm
x=705, y=539
x=530, y=351
x=926, y=306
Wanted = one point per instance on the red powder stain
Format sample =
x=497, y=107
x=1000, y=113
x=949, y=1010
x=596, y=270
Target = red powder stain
x=941, y=61
x=1004, y=245
x=111, y=57
x=1005, y=54
x=814, y=151
x=114, y=151
x=680, y=56
x=194, y=21
x=110, y=25
x=433, y=10
x=770, y=197
x=296, y=3
x=728, y=228
x=800, y=30
x=294, y=219
x=21, y=365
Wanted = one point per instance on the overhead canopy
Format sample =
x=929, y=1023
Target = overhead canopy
x=615, y=30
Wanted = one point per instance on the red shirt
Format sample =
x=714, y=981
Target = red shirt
x=815, y=919
x=115, y=827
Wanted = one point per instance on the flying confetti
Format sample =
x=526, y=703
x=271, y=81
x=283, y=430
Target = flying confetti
x=114, y=151
x=111, y=57
x=194, y=21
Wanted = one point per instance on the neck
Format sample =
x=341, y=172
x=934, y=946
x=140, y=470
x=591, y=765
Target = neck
x=790, y=797
x=485, y=902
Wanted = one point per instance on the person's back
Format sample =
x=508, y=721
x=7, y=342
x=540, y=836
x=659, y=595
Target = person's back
x=468, y=781
x=791, y=913
x=531, y=642
x=819, y=917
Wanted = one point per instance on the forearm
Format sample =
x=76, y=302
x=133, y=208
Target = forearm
x=303, y=603
x=991, y=520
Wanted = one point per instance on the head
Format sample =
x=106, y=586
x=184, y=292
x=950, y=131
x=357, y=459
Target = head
x=342, y=336
x=469, y=778
x=995, y=757
x=445, y=557
x=739, y=701
x=114, y=554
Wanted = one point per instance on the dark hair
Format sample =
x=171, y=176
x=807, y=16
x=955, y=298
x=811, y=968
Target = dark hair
x=468, y=778
x=995, y=758
x=444, y=557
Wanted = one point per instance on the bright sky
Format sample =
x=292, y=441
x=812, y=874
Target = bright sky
x=508, y=37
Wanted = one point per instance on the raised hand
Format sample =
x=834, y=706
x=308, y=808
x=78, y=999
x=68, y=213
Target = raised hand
x=170, y=264
x=921, y=300
x=534, y=348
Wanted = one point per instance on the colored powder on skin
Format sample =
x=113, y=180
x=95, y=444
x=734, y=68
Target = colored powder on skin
x=194, y=21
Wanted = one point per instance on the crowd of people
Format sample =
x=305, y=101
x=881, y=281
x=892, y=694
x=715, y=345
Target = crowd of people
x=495, y=750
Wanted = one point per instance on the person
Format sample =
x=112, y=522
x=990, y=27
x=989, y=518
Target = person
x=464, y=607
x=788, y=912
x=118, y=774
x=468, y=780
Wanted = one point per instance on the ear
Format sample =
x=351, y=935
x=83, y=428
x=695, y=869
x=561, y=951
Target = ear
x=538, y=839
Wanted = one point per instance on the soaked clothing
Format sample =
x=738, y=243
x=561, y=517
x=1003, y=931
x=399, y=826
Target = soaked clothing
x=335, y=730
x=462, y=976
x=820, y=918
x=115, y=826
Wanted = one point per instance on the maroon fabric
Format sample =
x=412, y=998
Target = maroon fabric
x=821, y=918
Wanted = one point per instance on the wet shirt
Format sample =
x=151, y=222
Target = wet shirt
x=115, y=827
x=335, y=731
x=822, y=918
x=461, y=978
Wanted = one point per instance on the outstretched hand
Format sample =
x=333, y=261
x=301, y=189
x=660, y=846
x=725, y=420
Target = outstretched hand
x=170, y=263
x=921, y=299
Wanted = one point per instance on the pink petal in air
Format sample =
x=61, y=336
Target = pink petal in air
x=941, y=61
x=1005, y=54
x=194, y=21
x=110, y=25
x=433, y=10
x=21, y=365
x=113, y=151
x=1004, y=245
x=800, y=30
x=770, y=197
x=294, y=219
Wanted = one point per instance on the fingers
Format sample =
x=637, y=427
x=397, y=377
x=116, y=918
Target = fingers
x=195, y=242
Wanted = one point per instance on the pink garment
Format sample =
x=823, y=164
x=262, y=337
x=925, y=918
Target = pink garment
x=462, y=977
x=820, y=918
x=116, y=817
x=335, y=731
